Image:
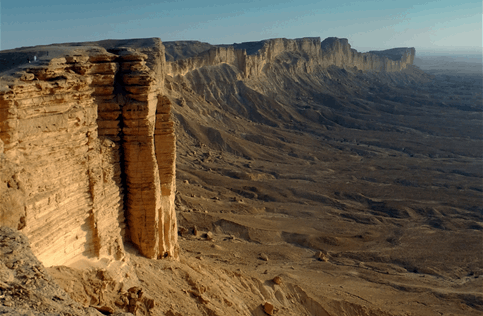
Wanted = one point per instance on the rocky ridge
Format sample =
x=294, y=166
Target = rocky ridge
x=252, y=58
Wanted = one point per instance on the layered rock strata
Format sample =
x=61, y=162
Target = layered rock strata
x=252, y=58
x=87, y=144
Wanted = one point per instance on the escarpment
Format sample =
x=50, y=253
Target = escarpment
x=87, y=144
x=253, y=58
x=88, y=152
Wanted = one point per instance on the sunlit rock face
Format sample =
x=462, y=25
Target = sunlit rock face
x=338, y=52
x=88, y=151
x=253, y=58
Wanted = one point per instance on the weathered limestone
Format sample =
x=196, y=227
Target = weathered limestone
x=149, y=158
x=52, y=142
x=211, y=57
x=84, y=159
x=165, y=144
x=251, y=59
x=338, y=52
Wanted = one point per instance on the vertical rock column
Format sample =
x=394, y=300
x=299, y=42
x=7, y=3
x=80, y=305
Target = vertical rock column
x=141, y=168
x=165, y=143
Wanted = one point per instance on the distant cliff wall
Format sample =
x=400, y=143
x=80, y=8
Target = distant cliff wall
x=251, y=59
x=211, y=57
x=88, y=154
x=338, y=52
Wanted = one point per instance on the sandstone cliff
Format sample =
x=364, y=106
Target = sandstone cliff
x=252, y=58
x=88, y=151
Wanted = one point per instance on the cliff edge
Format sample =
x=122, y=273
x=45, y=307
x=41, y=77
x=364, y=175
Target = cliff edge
x=253, y=58
x=88, y=150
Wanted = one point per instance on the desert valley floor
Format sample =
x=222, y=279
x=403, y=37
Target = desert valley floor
x=381, y=177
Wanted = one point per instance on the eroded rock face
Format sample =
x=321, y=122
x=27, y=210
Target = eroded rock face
x=253, y=58
x=88, y=154
x=338, y=52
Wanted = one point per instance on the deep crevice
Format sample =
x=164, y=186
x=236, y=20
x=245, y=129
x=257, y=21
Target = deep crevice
x=120, y=97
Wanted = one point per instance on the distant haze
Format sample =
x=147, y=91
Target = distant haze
x=437, y=26
x=464, y=54
x=450, y=64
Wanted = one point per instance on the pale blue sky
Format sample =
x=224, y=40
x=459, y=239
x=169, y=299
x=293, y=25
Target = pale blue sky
x=432, y=26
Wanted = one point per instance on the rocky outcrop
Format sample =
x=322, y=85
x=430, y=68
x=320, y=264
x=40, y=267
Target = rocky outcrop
x=89, y=153
x=26, y=288
x=211, y=57
x=252, y=58
x=338, y=52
